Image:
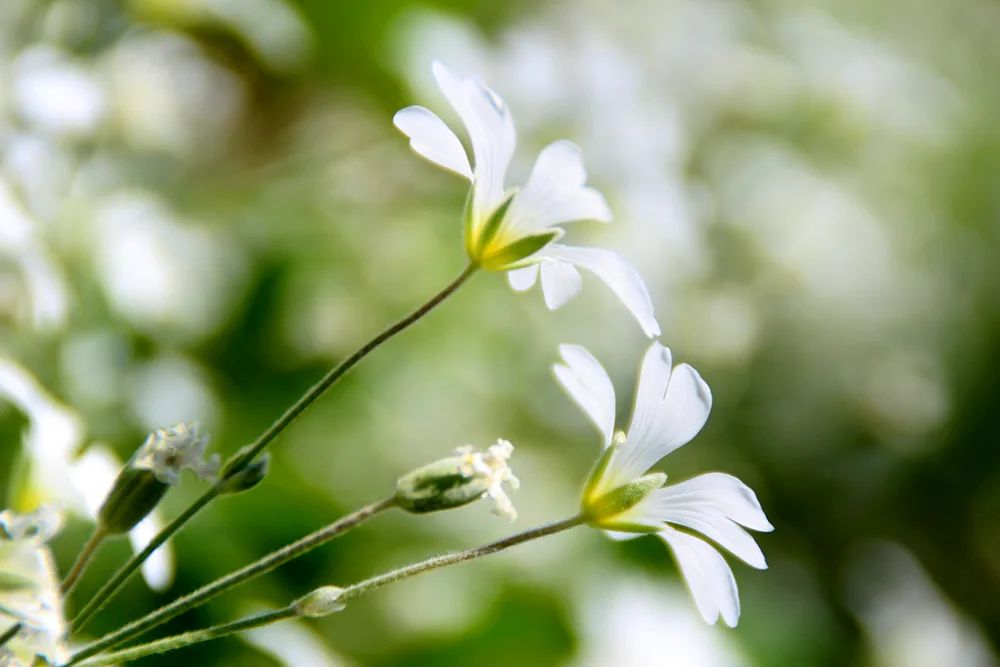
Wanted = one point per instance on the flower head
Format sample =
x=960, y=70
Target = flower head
x=30, y=591
x=671, y=406
x=511, y=229
x=491, y=467
x=459, y=480
x=168, y=451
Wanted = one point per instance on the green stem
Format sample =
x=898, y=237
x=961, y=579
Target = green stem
x=9, y=633
x=84, y=658
x=246, y=455
x=233, y=579
x=89, y=549
x=408, y=571
x=188, y=638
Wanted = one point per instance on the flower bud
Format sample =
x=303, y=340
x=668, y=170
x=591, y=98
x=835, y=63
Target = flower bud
x=247, y=478
x=321, y=602
x=154, y=468
x=459, y=480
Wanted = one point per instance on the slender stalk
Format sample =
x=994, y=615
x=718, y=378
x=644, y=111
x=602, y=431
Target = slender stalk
x=233, y=579
x=84, y=658
x=408, y=571
x=10, y=633
x=188, y=638
x=80, y=565
x=246, y=455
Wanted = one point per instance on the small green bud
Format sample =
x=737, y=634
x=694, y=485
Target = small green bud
x=438, y=486
x=604, y=509
x=460, y=480
x=248, y=477
x=154, y=468
x=321, y=602
x=135, y=494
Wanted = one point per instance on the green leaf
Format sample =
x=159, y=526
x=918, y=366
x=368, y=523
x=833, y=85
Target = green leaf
x=492, y=226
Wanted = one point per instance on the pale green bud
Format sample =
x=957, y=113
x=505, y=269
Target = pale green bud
x=321, y=602
x=135, y=494
x=247, y=478
x=460, y=480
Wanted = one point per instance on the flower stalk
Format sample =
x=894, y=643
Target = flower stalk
x=89, y=658
x=246, y=456
x=233, y=579
x=80, y=564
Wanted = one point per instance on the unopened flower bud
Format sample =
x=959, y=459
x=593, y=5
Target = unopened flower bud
x=321, y=602
x=459, y=480
x=154, y=468
x=249, y=477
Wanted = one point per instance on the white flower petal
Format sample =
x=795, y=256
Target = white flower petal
x=524, y=278
x=432, y=139
x=158, y=570
x=724, y=493
x=620, y=536
x=491, y=131
x=555, y=192
x=588, y=384
x=721, y=530
x=660, y=426
x=560, y=283
x=623, y=280
x=708, y=577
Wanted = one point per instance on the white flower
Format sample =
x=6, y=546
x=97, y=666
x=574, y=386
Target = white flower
x=30, y=591
x=168, y=451
x=671, y=406
x=491, y=467
x=510, y=229
x=58, y=473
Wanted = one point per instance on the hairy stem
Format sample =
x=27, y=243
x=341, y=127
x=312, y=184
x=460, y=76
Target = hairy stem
x=188, y=638
x=246, y=455
x=438, y=562
x=85, y=657
x=233, y=579
x=80, y=565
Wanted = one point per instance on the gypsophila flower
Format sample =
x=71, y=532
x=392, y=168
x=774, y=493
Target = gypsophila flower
x=29, y=593
x=511, y=229
x=41, y=524
x=491, y=466
x=168, y=451
x=671, y=406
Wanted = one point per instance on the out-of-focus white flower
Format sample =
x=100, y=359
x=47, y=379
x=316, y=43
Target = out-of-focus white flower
x=168, y=451
x=56, y=473
x=671, y=406
x=20, y=241
x=30, y=591
x=510, y=229
x=491, y=466
x=293, y=644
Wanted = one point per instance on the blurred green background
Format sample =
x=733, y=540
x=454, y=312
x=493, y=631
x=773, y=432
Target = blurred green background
x=209, y=206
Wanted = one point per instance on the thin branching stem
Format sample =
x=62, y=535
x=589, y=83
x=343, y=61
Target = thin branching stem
x=246, y=455
x=233, y=579
x=89, y=658
x=80, y=565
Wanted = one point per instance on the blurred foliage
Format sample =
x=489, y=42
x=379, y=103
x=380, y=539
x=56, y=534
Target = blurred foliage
x=812, y=191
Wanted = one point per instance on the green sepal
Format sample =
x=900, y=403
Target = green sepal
x=492, y=226
x=469, y=224
x=136, y=492
x=597, y=472
x=247, y=478
x=438, y=486
x=506, y=257
x=623, y=498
